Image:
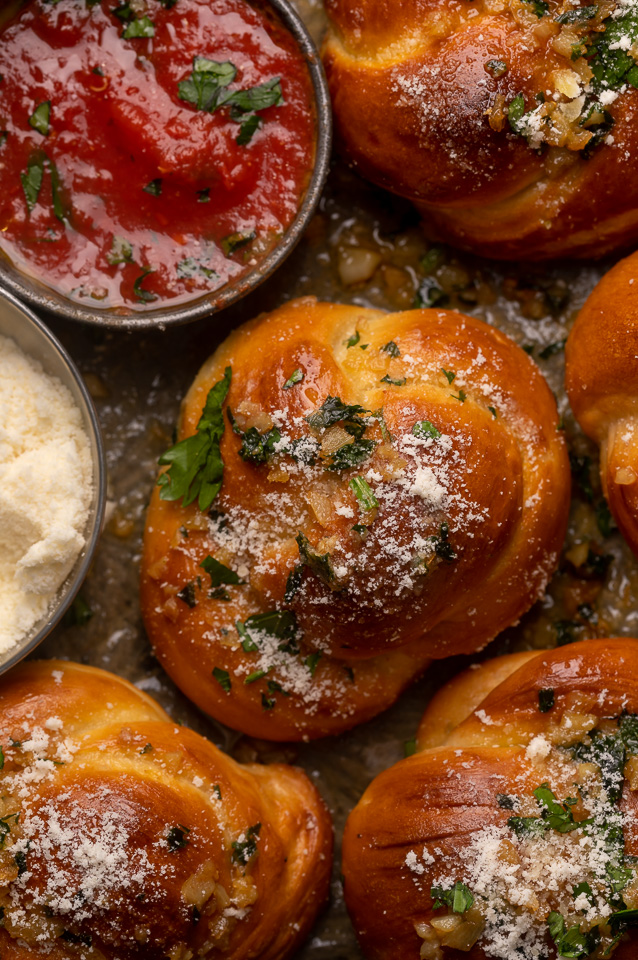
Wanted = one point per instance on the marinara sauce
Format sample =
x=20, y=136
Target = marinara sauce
x=150, y=150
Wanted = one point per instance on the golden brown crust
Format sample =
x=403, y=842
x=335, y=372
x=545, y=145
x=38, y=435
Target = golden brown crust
x=461, y=696
x=489, y=488
x=433, y=805
x=419, y=111
x=602, y=386
x=133, y=836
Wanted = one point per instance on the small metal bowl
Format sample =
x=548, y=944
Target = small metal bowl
x=33, y=338
x=47, y=299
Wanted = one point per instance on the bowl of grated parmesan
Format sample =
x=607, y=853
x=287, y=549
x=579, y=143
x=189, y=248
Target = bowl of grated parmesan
x=52, y=481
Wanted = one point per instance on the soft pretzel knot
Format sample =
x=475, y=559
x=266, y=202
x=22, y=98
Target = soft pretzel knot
x=411, y=506
x=601, y=369
x=123, y=835
x=512, y=831
x=494, y=117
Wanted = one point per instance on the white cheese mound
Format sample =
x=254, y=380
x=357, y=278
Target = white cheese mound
x=45, y=490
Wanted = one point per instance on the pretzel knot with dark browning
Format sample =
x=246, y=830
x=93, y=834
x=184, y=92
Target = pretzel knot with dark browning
x=602, y=384
x=126, y=837
x=394, y=489
x=511, y=124
x=513, y=831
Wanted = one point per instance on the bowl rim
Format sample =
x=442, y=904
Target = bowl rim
x=71, y=586
x=41, y=297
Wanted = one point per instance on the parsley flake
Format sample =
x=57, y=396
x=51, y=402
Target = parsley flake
x=196, y=467
x=177, y=837
x=223, y=678
x=39, y=119
x=295, y=377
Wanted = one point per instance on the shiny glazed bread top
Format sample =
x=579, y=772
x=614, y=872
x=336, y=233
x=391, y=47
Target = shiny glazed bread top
x=509, y=123
x=125, y=836
x=394, y=484
x=512, y=832
x=601, y=377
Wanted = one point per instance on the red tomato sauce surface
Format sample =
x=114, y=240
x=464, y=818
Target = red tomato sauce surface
x=124, y=170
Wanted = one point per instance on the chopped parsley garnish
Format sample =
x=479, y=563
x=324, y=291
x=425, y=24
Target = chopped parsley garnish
x=1, y=758
x=217, y=792
x=353, y=340
x=207, y=89
x=32, y=179
x=248, y=129
x=244, y=850
x=609, y=753
x=278, y=624
x=295, y=377
x=203, y=196
x=363, y=492
x=39, y=119
x=235, y=241
x=425, y=430
x=121, y=251
x=449, y=375
x=577, y=14
x=196, y=467
x=142, y=27
x=319, y=563
x=493, y=412
x=177, y=837
x=256, y=675
x=293, y=583
x=458, y=898
x=611, y=64
x=572, y=942
x=515, y=113
x=553, y=815
x=350, y=455
x=505, y=801
x=147, y=749
x=20, y=859
x=540, y=7
x=442, y=546
x=312, y=660
x=154, y=187
x=396, y=381
x=409, y=748
x=256, y=447
x=190, y=267
x=545, y=700
x=392, y=349
x=462, y=396
x=223, y=678
x=145, y=296
x=188, y=594
x=219, y=573
x=334, y=410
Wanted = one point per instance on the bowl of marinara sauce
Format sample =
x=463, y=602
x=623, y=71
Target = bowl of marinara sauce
x=158, y=158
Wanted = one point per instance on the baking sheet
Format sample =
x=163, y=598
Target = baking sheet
x=138, y=380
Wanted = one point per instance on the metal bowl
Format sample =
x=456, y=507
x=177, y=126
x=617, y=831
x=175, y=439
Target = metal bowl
x=33, y=338
x=47, y=299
